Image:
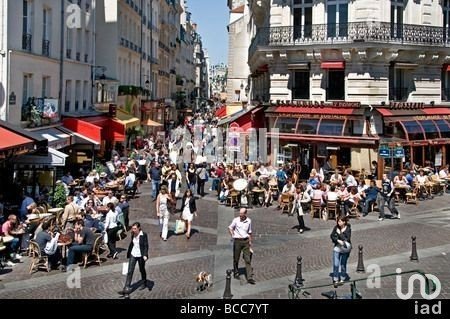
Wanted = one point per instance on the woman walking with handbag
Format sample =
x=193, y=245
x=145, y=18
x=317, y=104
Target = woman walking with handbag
x=162, y=211
x=188, y=210
x=341, y=238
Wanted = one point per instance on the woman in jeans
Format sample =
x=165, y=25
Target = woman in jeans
x=341, y=238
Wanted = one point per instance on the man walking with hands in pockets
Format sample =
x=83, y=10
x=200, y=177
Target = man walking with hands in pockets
x=241, y=232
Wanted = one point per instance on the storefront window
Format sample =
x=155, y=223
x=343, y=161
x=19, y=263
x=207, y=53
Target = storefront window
x=414, y=130
x=286, y=125
x=307, y=126
x=331, y=127
x=443, y=127
x=431, y=131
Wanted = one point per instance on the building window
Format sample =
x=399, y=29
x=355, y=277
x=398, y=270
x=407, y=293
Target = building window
x=69, y=40
x=302, y=19
x=397, y=9
x=26, y=95
x=68, y=96
x=87, y=46
x=47, y=27
x=286, y=124
x=446, y=12
x=78, y=96
x=336, y=85
x=398, y=90
x=337, y=18
x=27, y=25
x=301, y=85
x=86, y=94
x=45, y=87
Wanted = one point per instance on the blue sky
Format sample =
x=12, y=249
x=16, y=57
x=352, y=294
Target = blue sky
x=211, y=17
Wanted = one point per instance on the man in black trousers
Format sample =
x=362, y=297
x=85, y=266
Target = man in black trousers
x=137, y=252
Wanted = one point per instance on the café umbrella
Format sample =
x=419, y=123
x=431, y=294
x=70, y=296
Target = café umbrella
x=150, y=122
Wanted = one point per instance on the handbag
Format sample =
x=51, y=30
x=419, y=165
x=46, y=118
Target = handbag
x=180, y=227
x=343, y=249
x=121, y=234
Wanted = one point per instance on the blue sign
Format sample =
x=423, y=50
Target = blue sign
x=384, y=152
x=399, y=152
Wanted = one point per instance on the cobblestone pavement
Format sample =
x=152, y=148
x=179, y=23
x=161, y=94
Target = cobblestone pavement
x=174, y=264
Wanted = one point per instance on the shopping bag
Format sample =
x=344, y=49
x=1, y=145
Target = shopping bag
x=180, y=226
x=125, y=268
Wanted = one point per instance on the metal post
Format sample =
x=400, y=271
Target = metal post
x=360, y=268
x=414, y=256
x=227, y=292
x=298, y=282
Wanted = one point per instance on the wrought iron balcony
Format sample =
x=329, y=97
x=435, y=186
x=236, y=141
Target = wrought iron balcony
x=398, y=94
x=369, y=31
x=46, y=47
x=26, y=41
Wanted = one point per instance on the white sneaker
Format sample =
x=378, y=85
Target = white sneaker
x=380, y=219
x=18, y=256
x=10, y=263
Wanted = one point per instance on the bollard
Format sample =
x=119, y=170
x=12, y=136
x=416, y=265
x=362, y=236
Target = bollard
x=360, y=268
x=298, y=282
x=414, y=256
x=227, y=292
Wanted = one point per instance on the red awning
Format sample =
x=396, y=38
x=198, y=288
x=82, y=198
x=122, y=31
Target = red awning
x=436, y=111
x=336, y=65
x=97, y=128
x=10, y=140
x=447, y=67
x=221, y=112
x=346, y=140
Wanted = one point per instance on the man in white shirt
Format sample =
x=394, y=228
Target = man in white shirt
x=110, y=199
x=241, y=231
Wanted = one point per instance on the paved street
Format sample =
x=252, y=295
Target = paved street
x=174, y=264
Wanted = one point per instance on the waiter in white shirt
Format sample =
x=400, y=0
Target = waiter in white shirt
x=241, y=232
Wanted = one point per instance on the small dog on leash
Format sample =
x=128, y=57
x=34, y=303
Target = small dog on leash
x=204, y=280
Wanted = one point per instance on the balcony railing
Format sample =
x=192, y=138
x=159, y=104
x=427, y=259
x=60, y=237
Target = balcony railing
x=398, y=94
x=45, y=47
x=369, y=31
x=26, y=41
x=300, y=94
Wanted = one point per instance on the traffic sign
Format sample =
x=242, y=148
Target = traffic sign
x=384, y=152
x=399, y=152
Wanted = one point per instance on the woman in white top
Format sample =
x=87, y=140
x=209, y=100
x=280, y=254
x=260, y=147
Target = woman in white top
x=111, y=228
x=189, y=209
x=162, y=211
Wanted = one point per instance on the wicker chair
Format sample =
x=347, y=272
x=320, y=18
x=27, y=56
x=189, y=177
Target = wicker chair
x=38, y=261
x=94, y=255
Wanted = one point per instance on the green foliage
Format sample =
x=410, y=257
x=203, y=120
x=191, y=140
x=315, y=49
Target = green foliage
x=130, y=90
x=100, y=168
x=59, y=197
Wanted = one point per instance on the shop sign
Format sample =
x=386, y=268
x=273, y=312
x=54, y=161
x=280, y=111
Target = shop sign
x=384, y=152
x=313, y=116
x=332, y=104
x=432, y=117
x=406, y=105
x=399, y=152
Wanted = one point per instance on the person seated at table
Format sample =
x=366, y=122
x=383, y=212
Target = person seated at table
x=370, y=196
x=27, y=206
x=313, y=181
x=10, y=228
x=47, y=243
x=349, y=179
x=410, y=177
x=289, y=188
x=130, y=178
x=83, y=242
x=443, y=173
x=343, y=196
x=331, y=194
x=225, y=189
x=421, y=181
x=336, y=178
x=92, y=176
x=67, y=178
x=103, y=180
x=110, y=199
x=354, y=199
x=362, y=186
x=400, y=180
